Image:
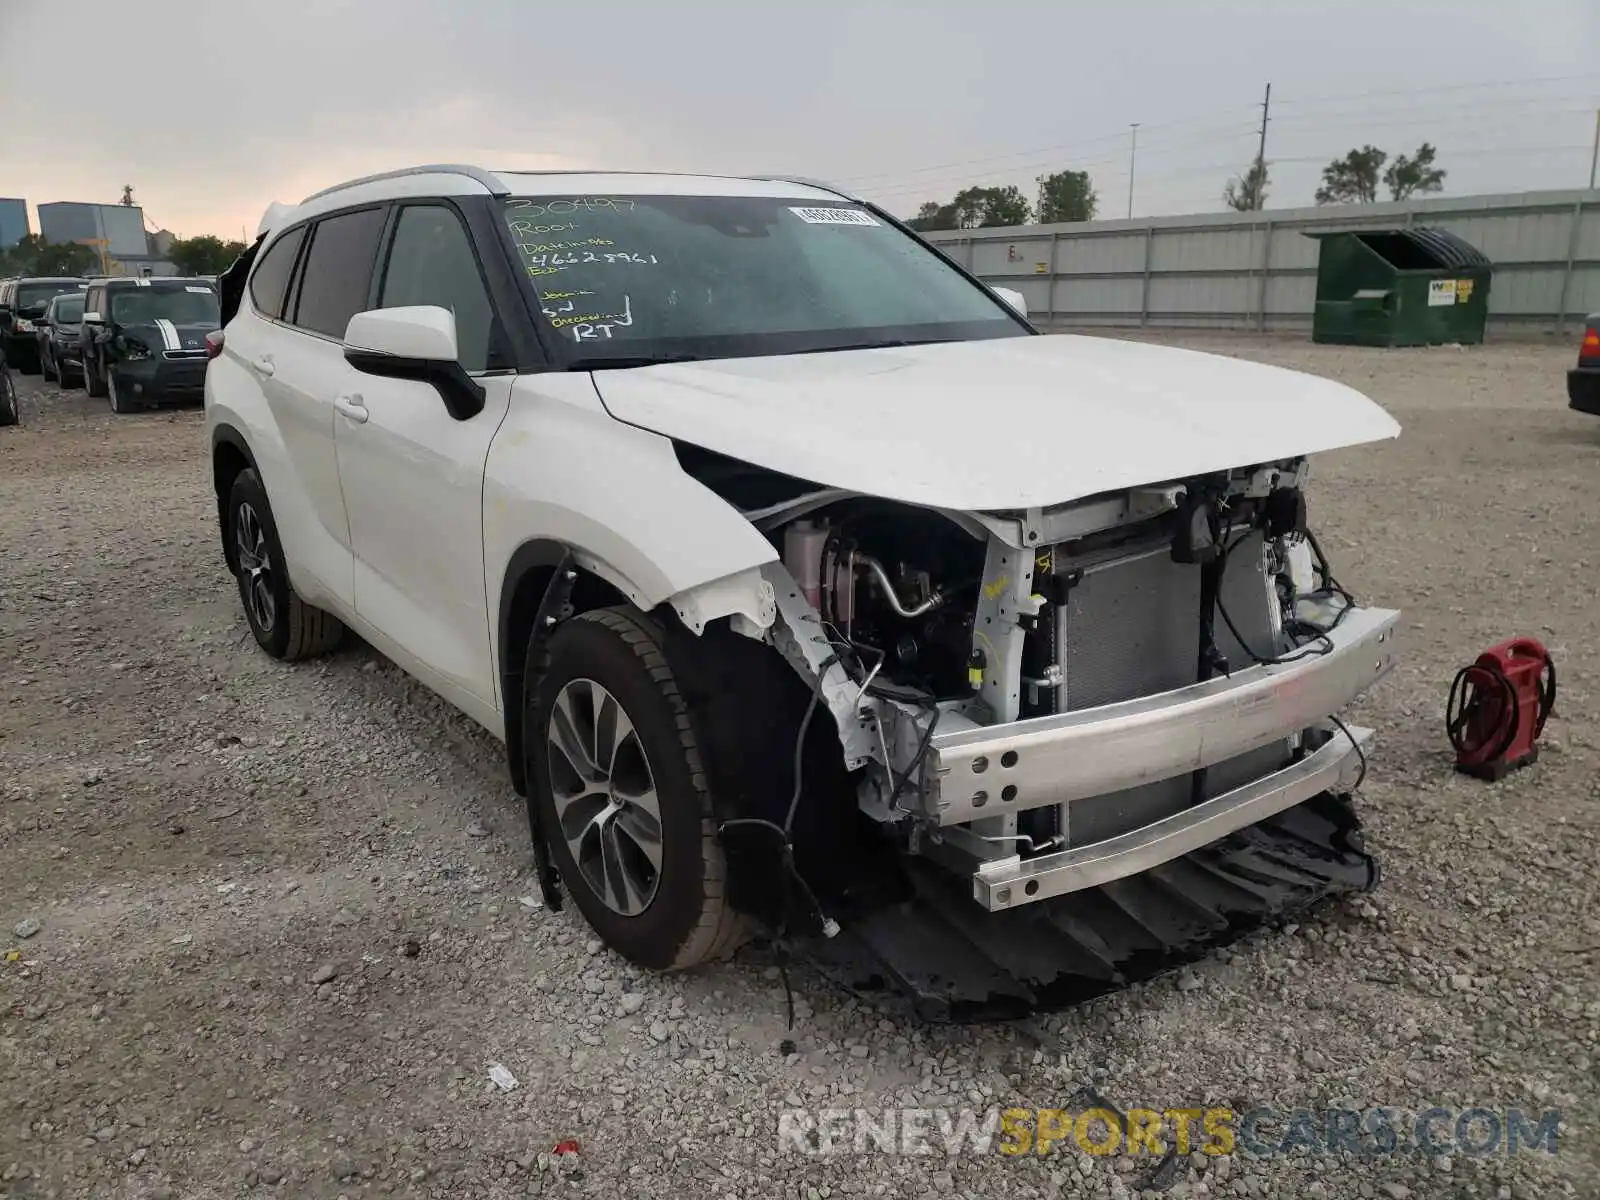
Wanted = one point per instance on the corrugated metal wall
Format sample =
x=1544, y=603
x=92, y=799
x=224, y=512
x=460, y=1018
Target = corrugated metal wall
x=1258, y=270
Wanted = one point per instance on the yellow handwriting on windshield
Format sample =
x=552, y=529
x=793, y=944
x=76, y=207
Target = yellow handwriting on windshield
x=561, y=207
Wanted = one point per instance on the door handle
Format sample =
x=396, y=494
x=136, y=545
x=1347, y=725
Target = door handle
x=351, y=407
x=262, y=364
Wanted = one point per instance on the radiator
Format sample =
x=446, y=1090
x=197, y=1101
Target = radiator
x=1130, y=627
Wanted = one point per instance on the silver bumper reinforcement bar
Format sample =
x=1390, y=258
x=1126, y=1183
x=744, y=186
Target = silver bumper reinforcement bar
x=999, y=770
x=1009, y=881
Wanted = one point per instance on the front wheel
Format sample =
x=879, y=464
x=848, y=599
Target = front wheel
x=119, y=404
x=93, y=382
x=284, y=625
x=619, y=791
x=47, y=366
x=10, y=413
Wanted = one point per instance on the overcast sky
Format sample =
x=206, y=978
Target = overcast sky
x=213, y=108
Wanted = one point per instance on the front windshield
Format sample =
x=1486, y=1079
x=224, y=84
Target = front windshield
x=192, y=305
x=69, y=310
x=644, y=278
x=34, y=298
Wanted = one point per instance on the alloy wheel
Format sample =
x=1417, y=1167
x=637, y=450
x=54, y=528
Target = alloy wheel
x=255, y=567
x=605, y=796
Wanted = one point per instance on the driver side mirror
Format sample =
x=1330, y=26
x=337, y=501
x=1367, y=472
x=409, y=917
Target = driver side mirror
x=416, y=342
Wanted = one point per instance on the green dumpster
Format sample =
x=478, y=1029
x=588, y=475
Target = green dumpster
x=1400, y=287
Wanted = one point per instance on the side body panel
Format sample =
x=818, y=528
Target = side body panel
x=562, y=470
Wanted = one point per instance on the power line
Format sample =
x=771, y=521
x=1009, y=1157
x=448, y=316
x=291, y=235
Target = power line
x=930, y=185
x=1448, y=87
x=1297, y=133
x=1372, y=116
x=1053, y=150
x=927, y=186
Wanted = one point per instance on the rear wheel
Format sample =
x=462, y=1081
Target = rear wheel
x=284, y=625
x=621, y=795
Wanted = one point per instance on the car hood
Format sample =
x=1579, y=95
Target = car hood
x=999, y=424
x=169, y=335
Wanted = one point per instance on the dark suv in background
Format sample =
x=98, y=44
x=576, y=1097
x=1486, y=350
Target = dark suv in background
x=22, y=303
x=144, y=340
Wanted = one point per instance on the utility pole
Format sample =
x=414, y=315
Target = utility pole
x=1594, y=155
x=1038, y=210
x=1261, y=154
x=1133, y=156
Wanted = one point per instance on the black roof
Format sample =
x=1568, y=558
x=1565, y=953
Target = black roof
x=1450, y=250
x=1447, y=250
x=158, y=281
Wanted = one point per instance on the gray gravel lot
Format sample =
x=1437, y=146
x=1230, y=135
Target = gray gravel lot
x=281, y=934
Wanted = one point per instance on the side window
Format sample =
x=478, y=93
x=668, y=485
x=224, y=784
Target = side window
x=96, y=303
x=431, y=262
x=338, y=271
x=270, y=283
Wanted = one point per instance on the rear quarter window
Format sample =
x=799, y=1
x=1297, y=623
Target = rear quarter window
x=269, y=284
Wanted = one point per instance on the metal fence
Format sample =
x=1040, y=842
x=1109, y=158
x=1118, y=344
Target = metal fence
x=1259, y=270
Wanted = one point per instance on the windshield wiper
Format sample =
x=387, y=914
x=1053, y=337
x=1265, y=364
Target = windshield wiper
x=621, y=361
x=886, y=344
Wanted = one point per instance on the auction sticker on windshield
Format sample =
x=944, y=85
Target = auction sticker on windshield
x=833, y=216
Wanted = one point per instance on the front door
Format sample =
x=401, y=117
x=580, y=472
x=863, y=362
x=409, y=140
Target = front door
x=412, y=475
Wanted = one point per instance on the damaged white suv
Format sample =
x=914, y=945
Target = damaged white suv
x=807, y=584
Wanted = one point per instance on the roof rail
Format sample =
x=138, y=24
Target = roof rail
x=477, y=174
x=807, y=182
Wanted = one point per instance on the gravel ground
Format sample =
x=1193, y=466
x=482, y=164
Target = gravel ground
x=281, y=933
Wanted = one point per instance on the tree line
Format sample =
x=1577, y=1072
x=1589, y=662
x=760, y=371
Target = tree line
x=1353, y=178
x=34, y=255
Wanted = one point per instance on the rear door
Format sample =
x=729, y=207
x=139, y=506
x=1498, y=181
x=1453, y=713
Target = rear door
x=412, y=475
x=294, y=353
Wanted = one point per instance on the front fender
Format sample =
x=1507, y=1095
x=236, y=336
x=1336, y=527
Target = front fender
x=563, y=472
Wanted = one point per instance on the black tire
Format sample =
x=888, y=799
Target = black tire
x=288, y=628
x=47, y=367
x=10, y=413
x=28, y=364
x=119, y=402
x=687, y=920
x=93, y=382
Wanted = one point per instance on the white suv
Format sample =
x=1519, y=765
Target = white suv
x=807, y=584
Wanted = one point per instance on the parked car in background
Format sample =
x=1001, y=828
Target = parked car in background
x=9, y=414
x=144, y=340
x=1583, y=381
x=22, y=303
x=60, y=356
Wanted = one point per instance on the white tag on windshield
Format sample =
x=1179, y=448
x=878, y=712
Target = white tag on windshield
x=833, y=216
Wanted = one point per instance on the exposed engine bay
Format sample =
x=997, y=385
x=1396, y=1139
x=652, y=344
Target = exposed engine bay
x=1090, y=721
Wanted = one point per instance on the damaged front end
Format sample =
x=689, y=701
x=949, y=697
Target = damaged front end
x=1084, y=744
